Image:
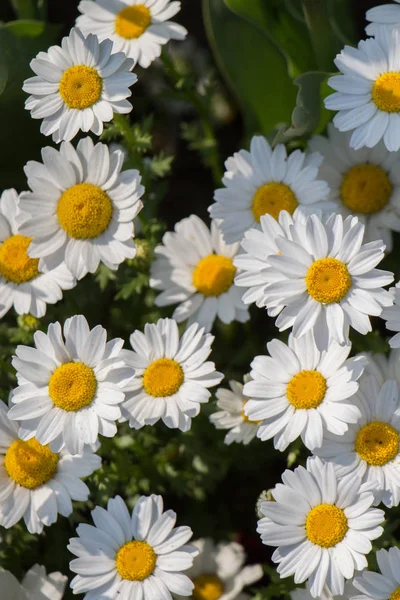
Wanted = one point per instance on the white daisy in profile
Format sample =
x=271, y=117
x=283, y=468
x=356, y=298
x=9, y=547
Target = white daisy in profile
x=78, y=86
x=324, y=279
x=383, y=585
x=322, y=526
x=218, y=572
x=81, y=207
x=386, y=14
x=125, y=556
x=265, y=181
x=22, y=284
x=383, y=367
x=326, y=594
x=231, y=416
x=195, y=267
x=370, y=448
x=391, y=315
x=298, y=390
x=365, y=183
x=37, y=484
x=36, y=585
x=69, y=391
x=172, y=375
x=139, y=28
x=368, y=92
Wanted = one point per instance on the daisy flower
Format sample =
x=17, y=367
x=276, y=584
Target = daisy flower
x=232, y=417
x=370, y=448
x=365, y=183
x=383, y=367
x=322, y=526
x=218, y=572
x=265, y=181
x=305, y=594
x=78, y=86
x=22, y=284
x=139, y=28
x=391, y=314
x=36, y=585
x=195, y=267
x=69, y=391
x=324, y=279
x=387, y=15
x=81, y=207
x=298, y=390
x=385, y=584
x=37, y=484
x=367, y=95
x=171, y=375
x=127, y=556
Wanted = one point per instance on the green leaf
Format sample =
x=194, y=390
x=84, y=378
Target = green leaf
x=253, y=67
x=342, y=21
x=25, y=9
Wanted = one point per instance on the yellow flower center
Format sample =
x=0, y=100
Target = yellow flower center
x=271, y=198
x=386, y=92
x=15, y=264
x=135, y=561
x=72, y=386
x=245, y=418
x=214, y=275
x=80, y=87
x=395, y=595
x=30, y=464
x=163, y=378
x=326, y=525
x=328, y=280
x=132, y=21
x=377, y=443
x=84, y=211
x=366, y=189
x=306, y=389
x=207, y=587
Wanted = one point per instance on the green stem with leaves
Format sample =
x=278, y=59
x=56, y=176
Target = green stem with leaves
x=321, y=34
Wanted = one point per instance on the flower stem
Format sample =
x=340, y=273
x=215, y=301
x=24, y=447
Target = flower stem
x=321, y=34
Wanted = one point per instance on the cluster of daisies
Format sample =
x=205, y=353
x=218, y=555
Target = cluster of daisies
x=298, y=235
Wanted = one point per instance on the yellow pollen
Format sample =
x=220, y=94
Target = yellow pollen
x=135, y=561
x=80, y=87
x=84, y=211
x=15, y=264
x=132, y=21
x=377, y=443
x=207, y=587
x=72, y=386
x=214, y=275
x=366, y=189
x=328, y=280
x=306, y=389
x=271, y=198
x=246, y=419
x=386, y=92
x=30, y=464
x=395, y=595
x=326, y=525
x=163, y=378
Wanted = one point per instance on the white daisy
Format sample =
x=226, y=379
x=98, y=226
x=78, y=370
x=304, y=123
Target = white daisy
x=138, y=556
x=36, y=585
x=232, y=417
x=383, y=367
x=323, y=278
x=368, y=92
x=365, y=183
x=22, y=284
x=78, y=86
x=386, y=14
x=194, y=267
x=218, y=572
x=322, y=526
x=391, y=314
x=139, y=28
x=326, y=594
x=370, y=448
x=82, y=207
x=37, y=484
x=171, y=375
x=383, y=585
x=265, y=181
x=69, y=392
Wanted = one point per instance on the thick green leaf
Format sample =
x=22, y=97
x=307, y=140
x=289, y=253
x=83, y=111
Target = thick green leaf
x=253, y=67
x=279, y=24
